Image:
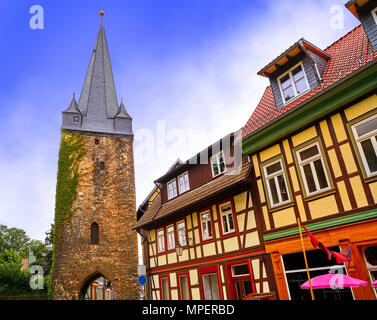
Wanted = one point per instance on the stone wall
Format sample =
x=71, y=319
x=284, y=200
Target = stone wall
x=105, y=194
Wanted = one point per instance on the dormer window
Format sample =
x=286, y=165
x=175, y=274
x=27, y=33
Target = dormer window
x=218, y=164
x=172, y=189
x=293, y=83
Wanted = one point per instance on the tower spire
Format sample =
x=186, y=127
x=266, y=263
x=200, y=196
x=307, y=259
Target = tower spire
x=98, y=103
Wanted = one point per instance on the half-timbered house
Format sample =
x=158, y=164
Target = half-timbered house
x=313, y=144
x=202, y=238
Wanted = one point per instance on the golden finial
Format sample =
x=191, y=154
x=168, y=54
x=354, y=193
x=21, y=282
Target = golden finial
x=102, y=13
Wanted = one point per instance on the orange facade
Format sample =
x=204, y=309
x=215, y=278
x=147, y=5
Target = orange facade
x=358, y=236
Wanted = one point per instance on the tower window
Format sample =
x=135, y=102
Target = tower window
x=94, y=233
x=76, y=119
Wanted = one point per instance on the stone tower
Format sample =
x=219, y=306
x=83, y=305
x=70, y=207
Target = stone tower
x=95, y=194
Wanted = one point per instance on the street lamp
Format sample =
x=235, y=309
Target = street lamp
x=178, y=250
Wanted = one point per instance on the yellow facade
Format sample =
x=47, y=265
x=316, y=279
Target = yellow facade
x=348, y=191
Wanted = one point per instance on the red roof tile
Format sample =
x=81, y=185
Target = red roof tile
x=348, y=54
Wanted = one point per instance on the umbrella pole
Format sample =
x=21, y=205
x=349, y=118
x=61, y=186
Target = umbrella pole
x=306, y=262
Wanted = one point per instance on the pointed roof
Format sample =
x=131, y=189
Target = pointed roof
x=73, y=107
x=98, y=103
x=122, y=112
x=98, y=93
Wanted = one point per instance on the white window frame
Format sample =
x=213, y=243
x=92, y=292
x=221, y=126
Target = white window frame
x=374, y=14
x=170, y=237
x=207, y=221
x=217, y=156
x=179, y=228
x=174, y=190
x=160, y=241
x=275, y=176
x=240, y=275
x=227, y=214
x=364, y=137
x=311, y=161
x=296, y=95
x=186, y=182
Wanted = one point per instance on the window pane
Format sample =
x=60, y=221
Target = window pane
x=165, y=289
x=370, y=155
x=283, y=188
x=297, y=73
x=247, y=287
x=184, y=288
x=371, y=256
x=205, y=216
x=273, y=168
x=215, y=169
x=288, y=93
x=320, y=174
x=209, y=229
x=226, y=208
x=285, y=82
x=274, y=192
x=231, y=223
x=242, y=269
x=308, y=153
x=309, y=178
x=367, y=127
x=301, y=85
x=221, y=162
x=225, y=224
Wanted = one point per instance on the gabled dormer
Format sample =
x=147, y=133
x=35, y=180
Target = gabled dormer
x=366, y=12
x=295, y=72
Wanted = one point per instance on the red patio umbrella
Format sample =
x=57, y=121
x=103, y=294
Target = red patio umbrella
x=333, y=280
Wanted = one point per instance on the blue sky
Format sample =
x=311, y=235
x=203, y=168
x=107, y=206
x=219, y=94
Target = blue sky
x=186, y=69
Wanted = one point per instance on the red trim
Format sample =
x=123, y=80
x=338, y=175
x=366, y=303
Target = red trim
x=231, y=278
x=160, y=281
x=200, y=225
x=221, y=221
x=210, y=269
x=179, y=284
x=246, y=254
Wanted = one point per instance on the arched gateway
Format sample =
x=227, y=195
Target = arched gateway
x=95, y=193
x=97, y=287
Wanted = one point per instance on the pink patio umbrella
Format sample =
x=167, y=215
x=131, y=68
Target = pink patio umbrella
x=374, y=284
x=333, y=280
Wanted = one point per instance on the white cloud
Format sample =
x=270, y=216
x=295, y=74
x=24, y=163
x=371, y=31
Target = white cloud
x=217, y=88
